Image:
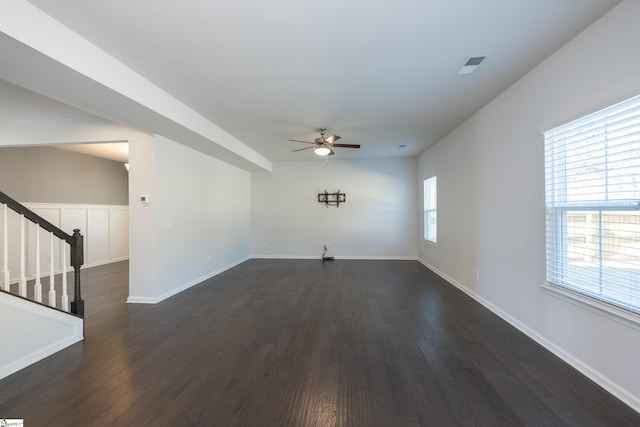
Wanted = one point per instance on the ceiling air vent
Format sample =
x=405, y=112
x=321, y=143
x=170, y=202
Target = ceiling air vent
x=471, y=64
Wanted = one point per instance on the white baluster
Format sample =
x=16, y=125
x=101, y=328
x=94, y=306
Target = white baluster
x=37, y=287
x=23, y=274
x=65, y=297
x=52, y=290
x=6, y=280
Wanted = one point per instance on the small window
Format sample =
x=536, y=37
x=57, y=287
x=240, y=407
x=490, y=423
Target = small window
x=592, y=187
x=431, y=210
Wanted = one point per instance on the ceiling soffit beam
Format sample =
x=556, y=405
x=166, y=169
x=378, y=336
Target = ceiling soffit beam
x=80, y=74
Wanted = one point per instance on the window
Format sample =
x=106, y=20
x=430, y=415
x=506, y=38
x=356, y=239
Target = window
x=430, y=210
x=592, y=186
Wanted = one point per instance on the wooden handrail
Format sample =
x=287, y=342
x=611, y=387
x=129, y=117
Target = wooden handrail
x=75, y=241
x=34, y=217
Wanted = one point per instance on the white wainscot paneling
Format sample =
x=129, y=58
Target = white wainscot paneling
x=72, y=218
x=118, y=233
x=97, y=236
x=105, y=229
x=13, y=233
x=53, y=216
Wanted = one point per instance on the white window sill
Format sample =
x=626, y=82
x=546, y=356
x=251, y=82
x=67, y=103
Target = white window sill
x=609, y=311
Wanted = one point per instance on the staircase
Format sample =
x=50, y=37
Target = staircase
x=34, y=297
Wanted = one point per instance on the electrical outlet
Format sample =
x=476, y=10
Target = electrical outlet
x=324, y=254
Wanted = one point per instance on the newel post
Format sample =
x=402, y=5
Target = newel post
x=77, y=259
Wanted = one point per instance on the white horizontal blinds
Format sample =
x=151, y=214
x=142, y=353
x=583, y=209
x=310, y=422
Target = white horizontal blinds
x=592, y=170
x=430, y=209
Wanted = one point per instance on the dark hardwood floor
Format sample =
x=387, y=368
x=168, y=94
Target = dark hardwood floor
x=303, y=343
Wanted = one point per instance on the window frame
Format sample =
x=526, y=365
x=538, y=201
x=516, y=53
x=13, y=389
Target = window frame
x=430, y=209
x=562, y=201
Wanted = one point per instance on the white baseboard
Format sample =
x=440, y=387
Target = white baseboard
x=628, y=398
x=379, y=258
x=155, y=300
x=32, y=358
x=70, y=328
x=354, y=257
x=105, y=262
x=57, y=272
x=318, y=257
x=141, y=300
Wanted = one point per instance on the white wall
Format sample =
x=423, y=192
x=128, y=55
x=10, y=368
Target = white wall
x=196, y=224
x=491, y=201
x=378, y=220
x=32, y=332
x=142, y=230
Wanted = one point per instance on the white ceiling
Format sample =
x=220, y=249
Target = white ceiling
x=377, y=73
x=20, y=105
x=117, y=151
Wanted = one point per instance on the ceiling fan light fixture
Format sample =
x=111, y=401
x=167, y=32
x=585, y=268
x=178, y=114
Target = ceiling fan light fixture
x=322, y=151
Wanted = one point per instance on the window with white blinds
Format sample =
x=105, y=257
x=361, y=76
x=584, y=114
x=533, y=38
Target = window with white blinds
x=592, y=186
x=431, y=210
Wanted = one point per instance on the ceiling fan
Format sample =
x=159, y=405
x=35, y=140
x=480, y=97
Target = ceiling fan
x=324, y=146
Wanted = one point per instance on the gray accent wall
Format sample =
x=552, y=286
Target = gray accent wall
x=53, y=175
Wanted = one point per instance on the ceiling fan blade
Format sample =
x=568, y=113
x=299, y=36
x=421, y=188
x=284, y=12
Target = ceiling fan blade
x=306, y=142
x=347, y=145
x=331, y=139
x=331, y=152
x=300, y=149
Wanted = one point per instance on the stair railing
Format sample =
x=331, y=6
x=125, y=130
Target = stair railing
x=75, y=241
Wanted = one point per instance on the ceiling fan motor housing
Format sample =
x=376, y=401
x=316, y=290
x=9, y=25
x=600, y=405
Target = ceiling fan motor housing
x=324, y=145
